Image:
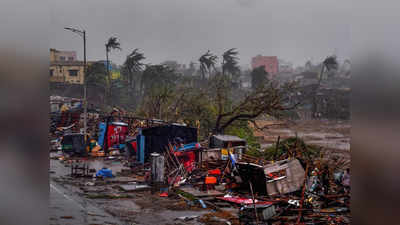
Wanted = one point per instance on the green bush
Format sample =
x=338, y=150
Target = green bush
x=242, y=130
x=290, y=147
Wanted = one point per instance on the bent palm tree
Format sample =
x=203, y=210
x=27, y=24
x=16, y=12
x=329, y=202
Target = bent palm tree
x=230, y=62
x=111, y=44
x=207, y=62
x=133, y=64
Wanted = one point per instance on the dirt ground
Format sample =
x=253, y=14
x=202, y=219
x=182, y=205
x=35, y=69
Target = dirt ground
x=333, y=135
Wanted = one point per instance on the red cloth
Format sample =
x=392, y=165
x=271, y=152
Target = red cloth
x=165, y=194
x=188, y=159
x=214, y=172
x=134, y=145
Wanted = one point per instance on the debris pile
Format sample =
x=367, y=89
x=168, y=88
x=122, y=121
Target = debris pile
x=301, y=187
x=288, y=184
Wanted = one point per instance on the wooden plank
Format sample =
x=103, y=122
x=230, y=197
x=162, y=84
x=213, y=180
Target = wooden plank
x=134, y=187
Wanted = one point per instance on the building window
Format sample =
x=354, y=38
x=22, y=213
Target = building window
x=62, y=58
x=70, y=58
x=51, y=73
x=73, y=73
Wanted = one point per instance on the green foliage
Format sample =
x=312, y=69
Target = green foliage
x=131, y=73
x=242, y=130
x=230, y=63
x=290, y=147
x=112, y=43
x=215, y=104
x=96, y=75
x=207, y=62
x=259, y=77
x=133, y=64
x=157, y=76
x=159, y=83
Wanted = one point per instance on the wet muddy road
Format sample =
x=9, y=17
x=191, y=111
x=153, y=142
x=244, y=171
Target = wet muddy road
x=67, y=207
x=70, y=205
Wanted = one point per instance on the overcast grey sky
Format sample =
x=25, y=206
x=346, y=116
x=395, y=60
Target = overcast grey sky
x=184, y=29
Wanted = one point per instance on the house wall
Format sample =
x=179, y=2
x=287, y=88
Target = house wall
x=270, y=64
x=56, y=55
x=60, y=73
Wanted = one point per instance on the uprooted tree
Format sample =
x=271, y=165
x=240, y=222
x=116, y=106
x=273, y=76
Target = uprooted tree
x=219, y=106
x=268, y=99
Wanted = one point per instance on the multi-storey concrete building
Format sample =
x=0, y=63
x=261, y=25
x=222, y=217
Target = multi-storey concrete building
x=270, y=63
x=64, y=67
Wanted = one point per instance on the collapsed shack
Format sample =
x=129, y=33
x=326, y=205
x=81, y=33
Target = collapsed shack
x=300, y=187
x=73, y=144
x=283, y=192
x=284, y=177
x=254, y=174
x=156, y=139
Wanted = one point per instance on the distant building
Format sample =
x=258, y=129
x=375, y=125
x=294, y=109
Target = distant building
x=67, y=72
x=65, y=68
x=270, y=63
x=56, y=55
x=285, y=67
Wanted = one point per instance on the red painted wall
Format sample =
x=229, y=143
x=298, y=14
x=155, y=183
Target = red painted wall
x=270, y=63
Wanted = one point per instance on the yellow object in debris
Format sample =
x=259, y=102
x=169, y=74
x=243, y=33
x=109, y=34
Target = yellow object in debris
x=224, y=151
x=64, y=108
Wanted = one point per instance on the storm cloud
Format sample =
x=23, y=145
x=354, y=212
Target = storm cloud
x=182, y=30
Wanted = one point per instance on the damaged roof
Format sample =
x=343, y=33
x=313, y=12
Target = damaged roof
x=228, y=137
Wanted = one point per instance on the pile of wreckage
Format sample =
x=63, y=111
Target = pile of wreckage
x=218, y=173
x=289, y=191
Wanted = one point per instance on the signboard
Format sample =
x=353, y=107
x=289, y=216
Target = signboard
x=116, y=134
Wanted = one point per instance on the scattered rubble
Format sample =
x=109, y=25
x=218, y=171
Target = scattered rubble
x=167, y=168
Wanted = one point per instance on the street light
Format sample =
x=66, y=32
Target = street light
x=82, y=33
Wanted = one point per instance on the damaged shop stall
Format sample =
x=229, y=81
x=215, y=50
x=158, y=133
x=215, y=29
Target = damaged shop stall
x=284, y=176
x=112, y=136
x=250, y=173
x=219, y=145
x=157, y=139
x=130, y=146
x=278, y=178
x=73, y=144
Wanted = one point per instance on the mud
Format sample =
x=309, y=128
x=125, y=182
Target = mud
x=333, y=135
x=140, y=207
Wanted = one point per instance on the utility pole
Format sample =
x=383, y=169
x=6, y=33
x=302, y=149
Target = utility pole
x=82, y=33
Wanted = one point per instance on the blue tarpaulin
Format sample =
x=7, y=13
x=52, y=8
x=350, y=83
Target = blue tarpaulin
x=140, y=147
x=104, y=173
x=102, y=133
x=188, y=146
